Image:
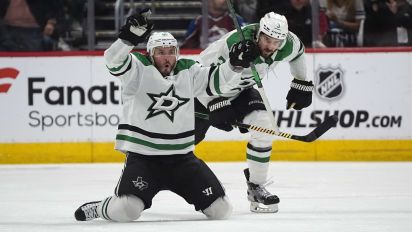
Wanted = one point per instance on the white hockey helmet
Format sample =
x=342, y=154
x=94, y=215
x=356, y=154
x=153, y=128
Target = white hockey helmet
x=161, y=39
x=274, y=25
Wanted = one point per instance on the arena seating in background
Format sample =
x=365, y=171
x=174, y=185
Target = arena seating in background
x=168, y=15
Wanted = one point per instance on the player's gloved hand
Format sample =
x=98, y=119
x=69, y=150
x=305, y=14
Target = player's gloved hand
x=221, y=113
x=299, y=95
x=137, y=27
x=242, y=53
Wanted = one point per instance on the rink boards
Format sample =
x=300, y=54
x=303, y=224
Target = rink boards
x=324, y=150
x=62, y=109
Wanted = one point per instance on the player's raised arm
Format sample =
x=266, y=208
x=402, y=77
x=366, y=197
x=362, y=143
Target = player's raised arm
x=136, y=30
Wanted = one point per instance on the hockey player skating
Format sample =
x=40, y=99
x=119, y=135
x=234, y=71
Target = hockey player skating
x=275, y=44
x=157, y=127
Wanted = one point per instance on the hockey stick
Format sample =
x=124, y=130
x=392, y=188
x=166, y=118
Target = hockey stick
x=256, y=77
x=312, y=136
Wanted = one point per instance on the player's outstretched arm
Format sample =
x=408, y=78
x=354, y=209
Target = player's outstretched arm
x=241, y=55
x=226, y=78
x=136, y=30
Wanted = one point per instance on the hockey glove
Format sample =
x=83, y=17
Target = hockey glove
x=137, y=27
x=221, y=114
x=242, y=53
x=299, y=95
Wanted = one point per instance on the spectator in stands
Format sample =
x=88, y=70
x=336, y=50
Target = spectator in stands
x=220, y=23
x=247, y=9
x=29, y=25
x=266, y=6
x=74, y=25
x=388, y=23
x=345, y=17
x=299, y=15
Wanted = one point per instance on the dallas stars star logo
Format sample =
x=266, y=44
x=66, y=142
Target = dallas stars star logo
x=165, y=103
x=140, y=183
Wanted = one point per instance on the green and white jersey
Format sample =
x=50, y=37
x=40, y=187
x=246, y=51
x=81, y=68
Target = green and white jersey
x=291, y=51
x=158, y=112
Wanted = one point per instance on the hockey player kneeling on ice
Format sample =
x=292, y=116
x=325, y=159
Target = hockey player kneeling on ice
x=156, y=132
x=275, y=44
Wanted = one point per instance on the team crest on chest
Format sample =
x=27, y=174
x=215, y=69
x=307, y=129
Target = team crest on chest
x=165, y=103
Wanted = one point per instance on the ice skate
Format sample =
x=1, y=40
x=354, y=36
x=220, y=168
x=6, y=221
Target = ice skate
x=87, y=211
x=261, y=200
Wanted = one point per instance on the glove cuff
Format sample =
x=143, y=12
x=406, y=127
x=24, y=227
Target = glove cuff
x=305, y=86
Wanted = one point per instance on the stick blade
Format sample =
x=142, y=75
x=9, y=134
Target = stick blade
x=330, y=122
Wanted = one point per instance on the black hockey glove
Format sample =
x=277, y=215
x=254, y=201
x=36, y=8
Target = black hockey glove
x=137, y=27
x=221, y=114
x=299, y=95
x=242, y=53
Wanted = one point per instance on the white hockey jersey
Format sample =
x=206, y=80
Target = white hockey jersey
x=291, y=51
x=158, y=112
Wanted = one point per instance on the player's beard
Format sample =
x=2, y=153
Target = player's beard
x=166, y=68
x=266, y=53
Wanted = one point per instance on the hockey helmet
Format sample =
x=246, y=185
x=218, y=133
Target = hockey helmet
x=274, y=25
x=161, y=39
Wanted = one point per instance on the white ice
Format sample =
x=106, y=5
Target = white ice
x=315, y=196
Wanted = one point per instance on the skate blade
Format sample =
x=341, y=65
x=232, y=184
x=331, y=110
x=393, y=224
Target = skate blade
x=261, y=208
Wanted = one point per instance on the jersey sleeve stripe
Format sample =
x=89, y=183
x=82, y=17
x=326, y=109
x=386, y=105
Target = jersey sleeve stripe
x=116, y=69
x=208, y=90
x=127, y=69
x=300, y=52
x=216, y=81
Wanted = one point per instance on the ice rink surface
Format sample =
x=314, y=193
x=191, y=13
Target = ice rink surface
x=314, y=196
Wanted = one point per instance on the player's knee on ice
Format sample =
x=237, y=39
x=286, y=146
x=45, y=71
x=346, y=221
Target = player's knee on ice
x=125, y=208
x=221, y=208
x=259, y=118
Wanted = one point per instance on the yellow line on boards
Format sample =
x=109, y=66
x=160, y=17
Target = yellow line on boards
x=323, y=150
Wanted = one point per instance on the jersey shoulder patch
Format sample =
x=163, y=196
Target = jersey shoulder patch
x=142, y=58
x=183, y=64
x=292, y=49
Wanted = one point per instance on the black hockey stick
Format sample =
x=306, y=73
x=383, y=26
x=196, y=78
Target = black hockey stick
x=312, y=136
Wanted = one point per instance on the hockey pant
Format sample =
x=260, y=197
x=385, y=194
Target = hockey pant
x=144, y=176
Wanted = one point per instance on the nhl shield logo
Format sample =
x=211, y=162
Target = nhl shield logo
x=329, y=83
